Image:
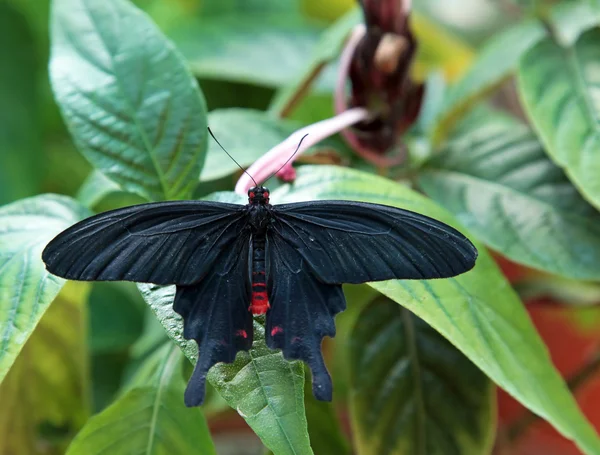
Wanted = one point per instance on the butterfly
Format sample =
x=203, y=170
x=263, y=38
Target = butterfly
x=231, y=262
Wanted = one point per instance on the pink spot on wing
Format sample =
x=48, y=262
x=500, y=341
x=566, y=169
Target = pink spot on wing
x=275, y=330
x=241, y=333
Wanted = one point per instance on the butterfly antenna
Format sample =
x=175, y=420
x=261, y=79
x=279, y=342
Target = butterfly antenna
x=232, y=158
x=289, y=159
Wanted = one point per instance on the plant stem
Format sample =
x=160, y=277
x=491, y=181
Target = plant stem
x=286, y=101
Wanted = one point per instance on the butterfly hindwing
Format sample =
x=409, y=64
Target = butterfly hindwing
x=357, y=242
x=302, y=311
x=216, y=315
x=162, y=243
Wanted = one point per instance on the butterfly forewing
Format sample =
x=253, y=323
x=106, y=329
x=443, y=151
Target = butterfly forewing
x=161, y=243
x=357, y=242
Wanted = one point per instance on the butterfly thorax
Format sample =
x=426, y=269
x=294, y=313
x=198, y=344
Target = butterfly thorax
x=259, y=213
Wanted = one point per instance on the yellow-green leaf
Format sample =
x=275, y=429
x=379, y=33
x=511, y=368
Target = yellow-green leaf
x=47, y=387
x=26, y=287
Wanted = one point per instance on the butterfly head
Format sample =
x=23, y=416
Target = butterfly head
x=258, y=195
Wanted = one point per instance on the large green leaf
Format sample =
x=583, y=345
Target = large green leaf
x=560, y=91
x=247, y=135
x=133, y=108
x=20, y=160
x=47, y=386
x=264, y=43
x=262, y=48
x=478, y=311
x=266, y=390
x=412, y=391
x=95, y=188
x=496, y=179
x=570, y=19
x=495, y=62
x=26, y=288
x=150, y=418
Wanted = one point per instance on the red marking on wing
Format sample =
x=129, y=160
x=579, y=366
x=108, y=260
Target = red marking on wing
x=275, y=330
x=242, y=333
x=258, y=284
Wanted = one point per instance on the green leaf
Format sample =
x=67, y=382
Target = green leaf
x=160, y=299
x=264, y=388
x=495, y=62
x=95, y=188
x=257, y=47
x=21, y=163
x=150, y=418
x=412, y=391
x=570, y=19
x=247, y=135
x=497, y=180
x=224, y=7
x=134, y=109
x=559, y=89
x=268, y=392
x=47, y=386
x=478, y=311
x=26, y=288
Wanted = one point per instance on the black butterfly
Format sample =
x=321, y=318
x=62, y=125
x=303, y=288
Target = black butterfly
x=231, y=261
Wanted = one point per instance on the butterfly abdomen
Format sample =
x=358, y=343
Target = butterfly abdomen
x=259, y=303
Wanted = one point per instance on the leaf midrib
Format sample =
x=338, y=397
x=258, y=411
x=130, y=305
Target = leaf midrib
x=262, y=389
x=165, y=375
x=413, y=355
x=581, y=86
